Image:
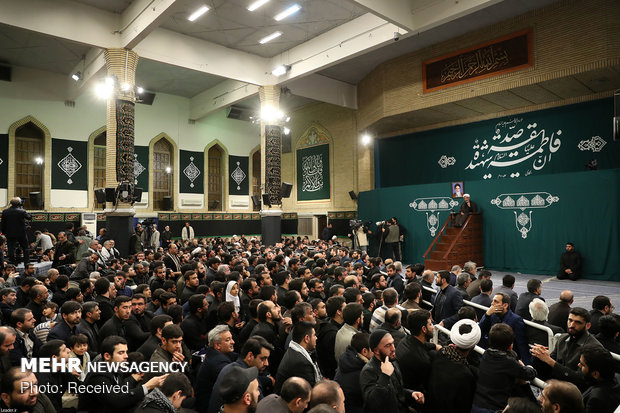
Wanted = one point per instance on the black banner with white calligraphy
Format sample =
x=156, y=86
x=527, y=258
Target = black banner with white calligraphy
x=313, y=173
x=238, y=175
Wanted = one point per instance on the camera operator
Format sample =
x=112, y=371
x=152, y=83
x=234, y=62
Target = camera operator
x=14, y=229
x=394, y=234
x=359, y=232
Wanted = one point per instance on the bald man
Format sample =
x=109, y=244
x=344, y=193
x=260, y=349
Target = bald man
x=558, y=312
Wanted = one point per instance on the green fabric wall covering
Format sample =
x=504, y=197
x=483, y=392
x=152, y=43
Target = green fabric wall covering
x=556, y=140
x=4, y=160
x=313, y=173
x=141, y=167
x=69, y=164
x=192, y=172
x=526, y=226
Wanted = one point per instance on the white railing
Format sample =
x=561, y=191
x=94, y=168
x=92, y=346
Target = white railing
x=552, y=338
x=536, y=382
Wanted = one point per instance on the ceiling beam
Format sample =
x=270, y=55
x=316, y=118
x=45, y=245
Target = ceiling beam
x=64, y=19
x=219, y=96
x=354, y=38
x=397, y=12
x=92, y=65
x=142, y=17
x=325, y=89
x=441, y=12
x=177, y=49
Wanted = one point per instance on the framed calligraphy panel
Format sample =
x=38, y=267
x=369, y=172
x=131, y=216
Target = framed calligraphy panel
x=505, y=54
x=313, y=173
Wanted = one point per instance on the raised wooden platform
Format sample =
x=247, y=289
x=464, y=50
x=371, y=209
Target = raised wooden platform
x=455, y=246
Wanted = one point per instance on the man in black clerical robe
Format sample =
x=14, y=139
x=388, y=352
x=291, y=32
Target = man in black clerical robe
x=570, y=263
x=467, y=207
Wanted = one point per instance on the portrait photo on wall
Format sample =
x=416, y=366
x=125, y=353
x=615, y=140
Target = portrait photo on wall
x=457, y=189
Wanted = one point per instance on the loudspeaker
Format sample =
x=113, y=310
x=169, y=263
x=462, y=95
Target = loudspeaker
x=100, y=195
x=215, y=204
x=285, y=191
x=35, y=200
x=137, y=194
x=266, y=200
x=256, y=200
x=146, y=98
x=167, y=203
x=353, y=195
x=110, y=194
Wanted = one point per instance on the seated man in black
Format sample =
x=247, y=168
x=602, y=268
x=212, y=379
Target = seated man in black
x=467, y=207
x=570, y=263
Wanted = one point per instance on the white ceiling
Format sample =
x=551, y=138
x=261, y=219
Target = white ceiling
x=217, y=61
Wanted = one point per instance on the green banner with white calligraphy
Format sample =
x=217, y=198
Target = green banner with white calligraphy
x=313, y=173
x=563, y=139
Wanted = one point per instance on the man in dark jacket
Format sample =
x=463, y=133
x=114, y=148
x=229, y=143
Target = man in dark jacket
x=194, y=326
x=499, y=312
x=26, y=344
x=106, y=292
x=18, y=393
x=534, y=289
x=88, y=326
x=451, y=366
x=64, y=251
x=381, y=381
x=350, y=365
x=118, y=326
x=14, y=229
x=449, y=300
x=499, y=371
x=157, y=325
x=558, y=312
x=269, y=316
x=326, y=335
x=71, y=313
x=601, y=305
x=175, y=389
x=114, y=351
x=297, y=360
x=219, y=354
x=415, y=353
x=539, y=312
x=597, y=365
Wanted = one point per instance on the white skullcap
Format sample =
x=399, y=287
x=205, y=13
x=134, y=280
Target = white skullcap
x=466, y=195
x=466, y=340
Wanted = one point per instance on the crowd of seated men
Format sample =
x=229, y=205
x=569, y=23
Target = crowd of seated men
x=299, y=326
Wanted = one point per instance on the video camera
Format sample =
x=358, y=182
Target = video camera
x=355, y=224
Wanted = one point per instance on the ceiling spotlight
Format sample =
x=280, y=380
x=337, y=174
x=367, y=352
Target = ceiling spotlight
x=125, y=86
x=168, y=169
x=104, y=90
x=288, y=118
x=109, y=80
x=198, y=13
x=257, y=4
x=140, y=90
x=38, y=160
x=291, y=10
x=280, y=70
x=76, y=76
x=286, y=130
x=270, y=114
x=269, y=38
x=366, y=139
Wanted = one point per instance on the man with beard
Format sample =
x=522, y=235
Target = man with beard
x=71, y=312
x=382, y=381
x=415, y=352
x=255, y=353
x=297, y=360
x=269, y=316
x=20, y=393
x=563, y=362
x=239, y=390
x=114, y=352
x=603, y=395
x=561, y=397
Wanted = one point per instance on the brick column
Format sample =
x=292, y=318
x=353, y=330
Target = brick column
x=271, y=158
x=121, y=66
